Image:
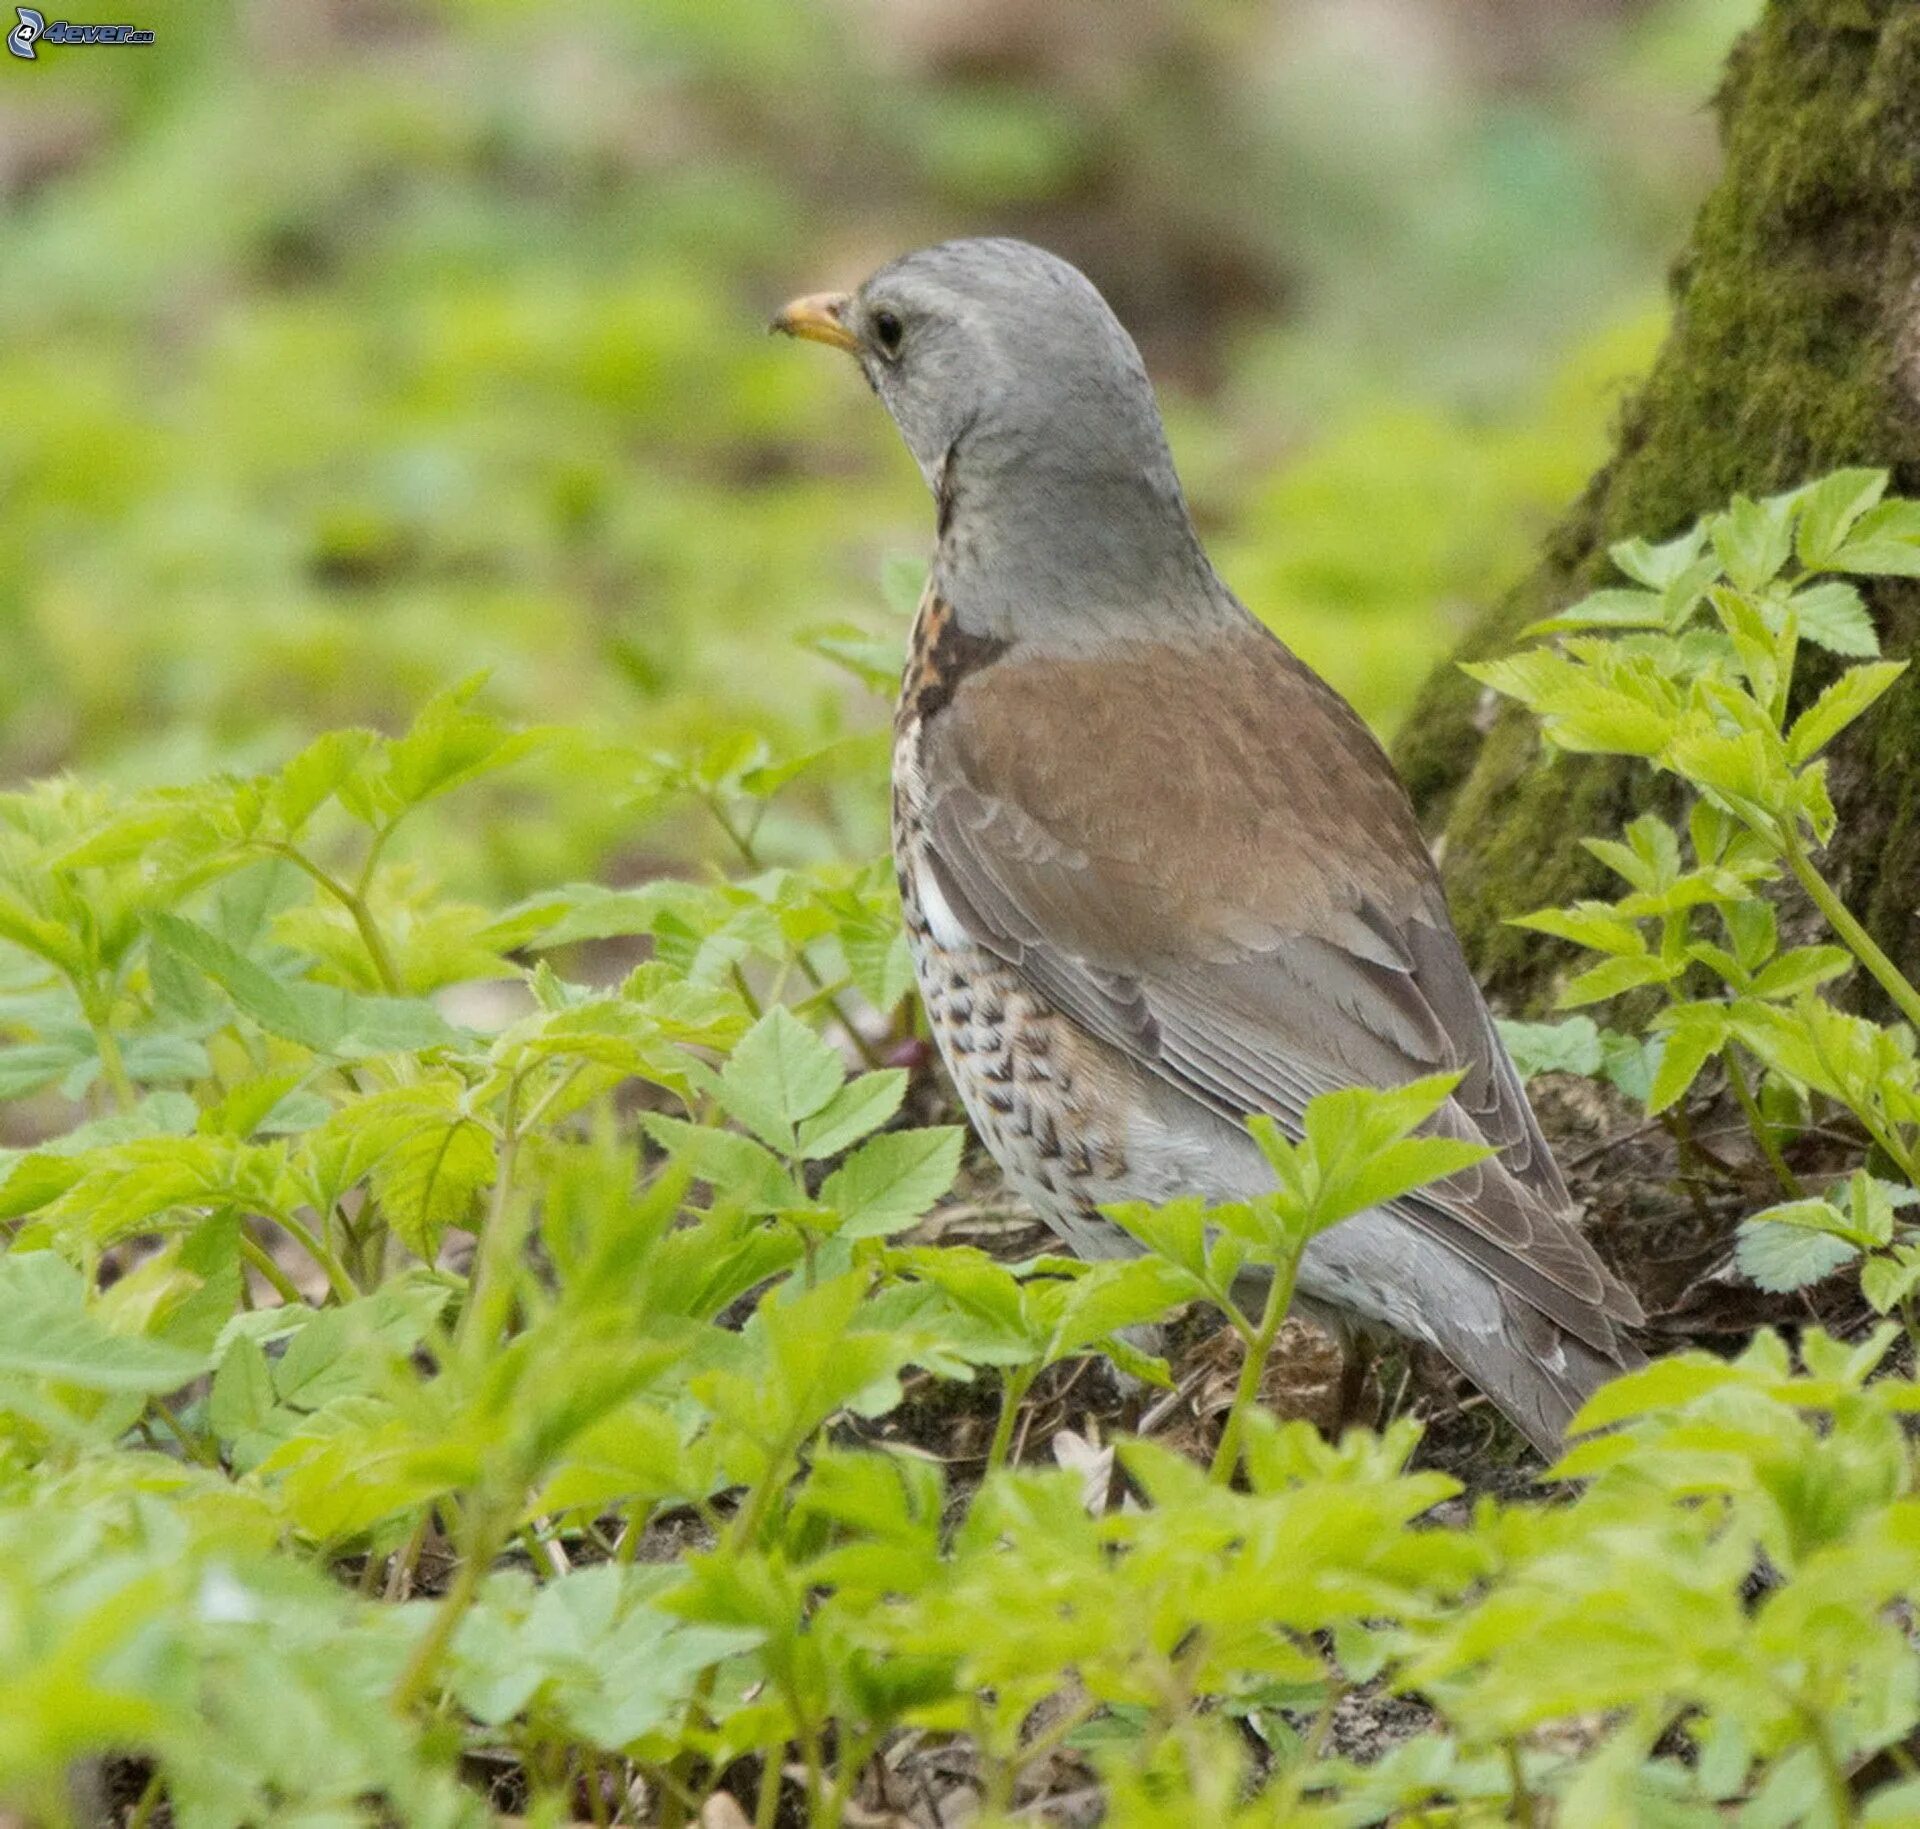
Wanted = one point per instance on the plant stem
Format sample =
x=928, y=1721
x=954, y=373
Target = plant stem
x=484, y=1541
x=1757, y=1123
x=113, y=1065
x=196, y=1451
x=303, y=1235
x=490, y=1295
x=767, y=1804
x=142, y=1812
x=1523, y=1809
x=261, y=1259
x=1910, y=1322
x=1840, y=918
x=1253, y=1368
x=361, y=915
x=1013, y=1393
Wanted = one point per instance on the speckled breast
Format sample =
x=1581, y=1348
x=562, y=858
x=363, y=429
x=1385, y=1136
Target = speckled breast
x=1017, y=1064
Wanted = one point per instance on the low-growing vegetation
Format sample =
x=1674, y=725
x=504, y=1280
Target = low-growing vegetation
x=460, y=1361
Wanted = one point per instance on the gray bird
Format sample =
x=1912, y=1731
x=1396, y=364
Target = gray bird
x=1157, y=874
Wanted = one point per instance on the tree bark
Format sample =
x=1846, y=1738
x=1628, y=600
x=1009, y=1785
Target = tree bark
x=1794, y=350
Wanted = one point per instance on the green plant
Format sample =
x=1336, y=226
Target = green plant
x=1693, y=669
x=426, y=1383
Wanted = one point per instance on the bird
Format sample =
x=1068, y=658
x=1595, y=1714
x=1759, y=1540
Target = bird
x=1157, y=875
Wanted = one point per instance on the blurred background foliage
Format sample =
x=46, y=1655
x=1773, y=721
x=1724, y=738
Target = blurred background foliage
x=353, y=346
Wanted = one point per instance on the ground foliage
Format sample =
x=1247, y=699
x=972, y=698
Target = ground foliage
x=448, y=1405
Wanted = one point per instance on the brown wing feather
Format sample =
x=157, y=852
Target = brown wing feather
x=1200, y=903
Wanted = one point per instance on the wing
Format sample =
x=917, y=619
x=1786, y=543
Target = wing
x=1245, y=907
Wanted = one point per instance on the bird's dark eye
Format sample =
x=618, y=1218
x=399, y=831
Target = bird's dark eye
x=887, y=331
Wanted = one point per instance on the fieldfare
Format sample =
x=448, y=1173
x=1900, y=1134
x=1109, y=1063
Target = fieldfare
x=1157, y=874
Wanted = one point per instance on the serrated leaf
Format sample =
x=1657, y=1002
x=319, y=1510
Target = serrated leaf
x=242, y=1392
x=1887, y=1281
x=1833, y=615
x=326, y=1018
x=1613, y=976
x=1829, y=509
x=1611, y=609
x=892, y=1180
x=1753, y=540
x=1594, y=925
x=736, y=1167
x=1885, y=542
x=780, y=1073
x=1801, y=970
x=1854, y=692
x=47, y=1331
x=1684, y=1050
x=860, y=1106
x=1658, y=566
x=1781, y=1258
x=1572, y=1046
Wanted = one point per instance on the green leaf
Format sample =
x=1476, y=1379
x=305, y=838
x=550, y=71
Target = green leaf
x=325, y=1018
x=892, y=1180
x=1829, y=509
x=1851, y=694
x=431, y=1176
x=1753, y=540
x=780, y=1073
x=449, y=745
x=48, y=1331
x=1885, y=542
x=1685, y=1049
x=736, y=1167
x=1801, y=970
x=1590, y=924
x=1659, y=566
x=858, y=1107
x=903, y=581
x=26, y=1069
x=1784, y=1257
x=1572, y=1046
x=1612, y=977
x=1614, y=609
x=874, y=660
x=1887, y=1281
x=1628, y=1063
x=1833, y=615
x=242, y=1391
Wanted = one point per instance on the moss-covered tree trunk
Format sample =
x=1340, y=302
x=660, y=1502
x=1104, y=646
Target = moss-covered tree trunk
x=1795, y=349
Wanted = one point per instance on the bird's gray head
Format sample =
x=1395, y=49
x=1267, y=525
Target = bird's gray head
x=1029, y=412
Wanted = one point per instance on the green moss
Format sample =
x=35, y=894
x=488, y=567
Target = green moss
x=1791, y=353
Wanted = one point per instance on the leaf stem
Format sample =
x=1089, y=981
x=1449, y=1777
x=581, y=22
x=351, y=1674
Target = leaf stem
x=345, y=1289
x=1253, y=1367
x=261, y=1259
x=490, y=1295
x=1841, y=919
x=1757, y=1123
x=362, y=916
x=1013, y=1393
x=113, y=1065
x=485, y=1540
x=142, y=1812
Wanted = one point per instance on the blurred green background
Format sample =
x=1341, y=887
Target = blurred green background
x=353, y=346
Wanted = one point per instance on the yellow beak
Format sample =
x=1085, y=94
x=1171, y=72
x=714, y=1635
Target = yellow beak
x=820, y=317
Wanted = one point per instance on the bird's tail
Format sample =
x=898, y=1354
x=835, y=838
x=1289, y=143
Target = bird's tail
x=1537, y=1373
